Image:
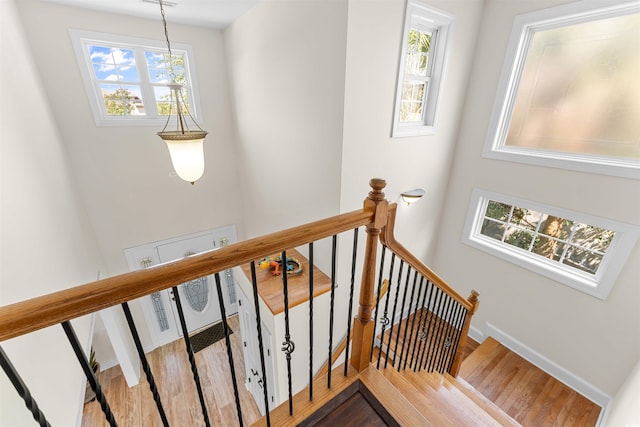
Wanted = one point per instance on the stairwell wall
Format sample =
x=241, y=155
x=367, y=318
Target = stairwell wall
x=46, y=240
x=595, y=340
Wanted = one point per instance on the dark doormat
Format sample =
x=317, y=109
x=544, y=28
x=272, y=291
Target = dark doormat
x=204, y=339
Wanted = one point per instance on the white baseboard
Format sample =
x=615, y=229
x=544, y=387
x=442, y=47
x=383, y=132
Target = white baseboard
x=563, y=375
x=476, y=334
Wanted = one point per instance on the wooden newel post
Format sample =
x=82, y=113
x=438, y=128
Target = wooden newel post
x=363, y=327
x=457, y=361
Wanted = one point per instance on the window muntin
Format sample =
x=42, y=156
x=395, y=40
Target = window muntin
x=421, y=70
x=581, y=251
x=417, y=74
x=574, y=244
x=126, y=78
x=568, y=96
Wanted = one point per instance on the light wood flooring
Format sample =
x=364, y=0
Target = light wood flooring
x=524, y=392
x=134, y=407
x=529, y=395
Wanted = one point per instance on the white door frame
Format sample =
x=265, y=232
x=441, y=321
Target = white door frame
x=147, y=255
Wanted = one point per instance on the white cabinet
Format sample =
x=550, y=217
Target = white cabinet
x=251, y=349
x=272, y=316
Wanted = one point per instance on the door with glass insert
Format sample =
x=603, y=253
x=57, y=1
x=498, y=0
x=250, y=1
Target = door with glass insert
x=198, y=297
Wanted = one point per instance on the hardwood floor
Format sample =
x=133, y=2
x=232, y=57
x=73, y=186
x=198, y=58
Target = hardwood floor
x=525, y=392
x=133, y=407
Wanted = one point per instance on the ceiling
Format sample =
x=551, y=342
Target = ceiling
x=204, y=13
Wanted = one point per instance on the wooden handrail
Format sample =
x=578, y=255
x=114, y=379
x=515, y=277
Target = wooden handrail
x=47, y=310
x=388, y=239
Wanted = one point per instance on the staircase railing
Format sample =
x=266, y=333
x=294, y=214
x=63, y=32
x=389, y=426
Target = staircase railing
x=449, y=321
x=427, y=330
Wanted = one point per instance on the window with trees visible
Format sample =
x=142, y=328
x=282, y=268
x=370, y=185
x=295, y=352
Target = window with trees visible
x=421, y=71
x=126, y=79
x=582, y=251
x=568, y=96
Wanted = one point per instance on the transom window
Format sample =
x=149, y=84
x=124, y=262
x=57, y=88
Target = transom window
x=581, y=251
x=568, y=95
x=577, y=245
x=126, y=79
x=421, y=70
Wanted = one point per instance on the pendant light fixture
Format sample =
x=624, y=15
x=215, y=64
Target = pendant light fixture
x=185, y=145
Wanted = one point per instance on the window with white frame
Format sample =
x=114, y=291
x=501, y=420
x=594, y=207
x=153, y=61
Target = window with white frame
x=421, y=71
x=568, y=96
x=126, y=78
x=581, y=251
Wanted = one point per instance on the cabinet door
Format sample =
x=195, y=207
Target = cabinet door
x=251, y=352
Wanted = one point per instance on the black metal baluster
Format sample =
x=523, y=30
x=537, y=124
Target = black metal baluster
x=375, y=317
x=311, y=321
x=384, y=319
x=254, y=284
x=331, y=305
x=393, y=316
x=192, y=358
x=353, y=280
x=420, y=333
x=22, y=389
x=145, y=364
x=406, y=326
x=430, y=319
x=461, y=321
x=288, y=346
x=437, y=330
x=442, y=333
x=88, y=372
x=265, y=391
x=450, y=337
x=225, y=328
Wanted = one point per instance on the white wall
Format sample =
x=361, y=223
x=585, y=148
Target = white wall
x=593, y=339
x=286, y=60
x=46, y=241
x=373, y=52
x=123, y=172
x=624, y=410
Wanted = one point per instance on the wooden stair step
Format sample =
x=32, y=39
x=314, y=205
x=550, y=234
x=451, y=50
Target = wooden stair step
x=479, y=358
x=440, y=400
x=302, y=406
x=488, y=406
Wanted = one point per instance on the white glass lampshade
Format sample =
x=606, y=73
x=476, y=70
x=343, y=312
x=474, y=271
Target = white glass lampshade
x=187, y=156
x=412, y=196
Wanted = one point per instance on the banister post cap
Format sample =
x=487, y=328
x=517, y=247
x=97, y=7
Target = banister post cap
x=377, y=184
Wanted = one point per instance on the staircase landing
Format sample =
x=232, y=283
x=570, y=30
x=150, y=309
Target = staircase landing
x=529, y=395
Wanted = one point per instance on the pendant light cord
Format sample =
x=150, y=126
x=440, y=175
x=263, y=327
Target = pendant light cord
x=172, y=74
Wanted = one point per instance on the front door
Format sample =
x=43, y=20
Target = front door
x=198, y=297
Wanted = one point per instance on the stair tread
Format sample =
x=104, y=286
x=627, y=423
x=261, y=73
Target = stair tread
x=398, y=406
x=487, y=405
x=442, y=401
x=479, y=357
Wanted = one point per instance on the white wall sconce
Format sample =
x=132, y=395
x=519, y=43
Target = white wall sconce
x=412, y=196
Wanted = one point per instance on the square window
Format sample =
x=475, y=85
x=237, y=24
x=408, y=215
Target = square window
x=568, y=95
x=126, y=78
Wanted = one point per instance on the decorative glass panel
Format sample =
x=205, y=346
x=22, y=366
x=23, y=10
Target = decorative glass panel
x=161, y=314
x=197, y=293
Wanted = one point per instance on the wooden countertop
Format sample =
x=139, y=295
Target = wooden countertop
x=270, y=286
